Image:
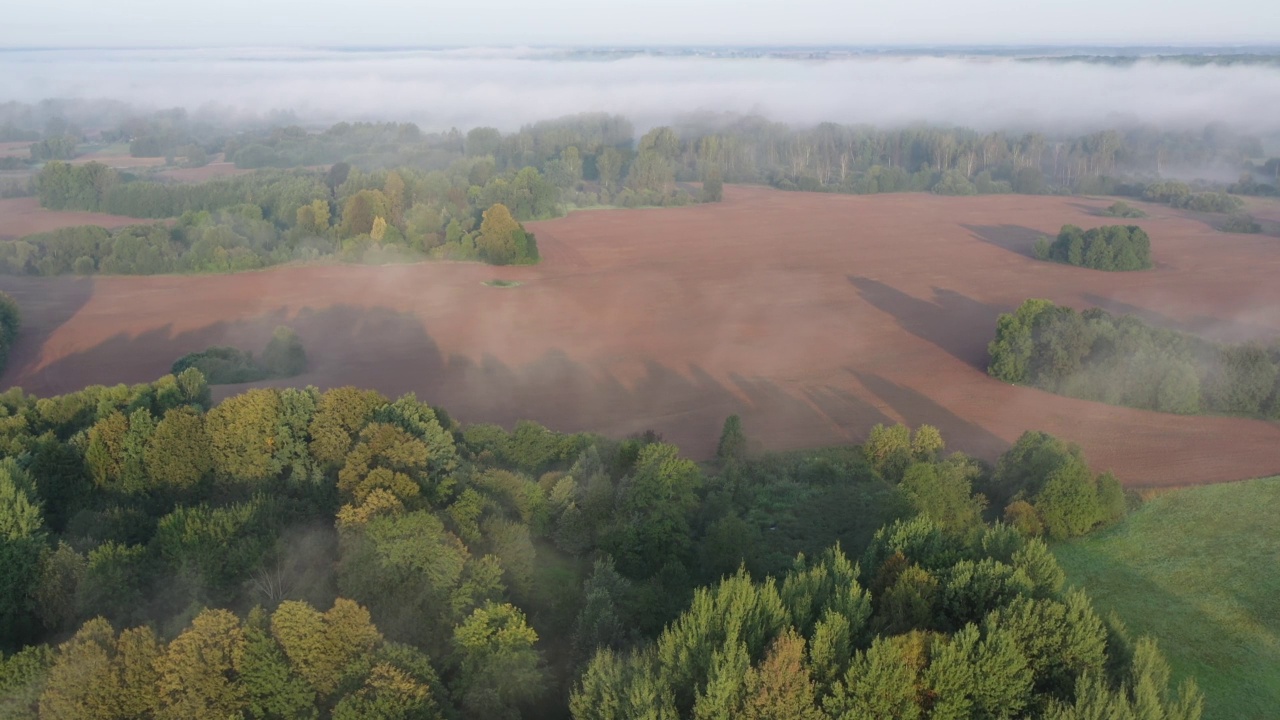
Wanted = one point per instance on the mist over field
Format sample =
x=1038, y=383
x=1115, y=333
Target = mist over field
x=507, y=88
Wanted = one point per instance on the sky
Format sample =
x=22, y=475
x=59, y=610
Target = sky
x=169, y=23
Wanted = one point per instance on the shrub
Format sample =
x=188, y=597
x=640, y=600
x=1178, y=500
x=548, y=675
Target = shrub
x=221, y=365
x=1241, y=223
x=284, y=356
x=1123, y=210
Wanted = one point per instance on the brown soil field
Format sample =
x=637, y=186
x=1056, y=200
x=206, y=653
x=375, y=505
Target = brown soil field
x=20, y=149
x=117, y=159
x=24, y=216
x=212, y=171
x=812, y=316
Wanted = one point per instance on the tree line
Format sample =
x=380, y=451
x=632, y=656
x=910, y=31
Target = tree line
x=10, y=322
x=1111, y=247
x=596, y=159
x=281, y=216
x=1123, y=361
x=296, y=552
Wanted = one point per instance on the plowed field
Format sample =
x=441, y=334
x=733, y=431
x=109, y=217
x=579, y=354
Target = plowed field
x=813, y=316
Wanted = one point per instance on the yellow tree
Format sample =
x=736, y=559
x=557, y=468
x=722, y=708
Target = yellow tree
x=96, y=675
x=340, y=415
x=322, y=646
x=360, y=210
x=199, y=674
x=393, y=189
x=386, y=457
x=177, y=453
x=781, y=686
x=497, y=239
x=379, y=230
x=242, y=435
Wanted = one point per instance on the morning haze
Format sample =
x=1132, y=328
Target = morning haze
x=615, y=360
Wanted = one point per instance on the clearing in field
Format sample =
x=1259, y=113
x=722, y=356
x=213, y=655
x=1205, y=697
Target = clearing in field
x=1195, y=569
x=813, y=316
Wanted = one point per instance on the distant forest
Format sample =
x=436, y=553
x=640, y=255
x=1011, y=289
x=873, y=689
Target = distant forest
x=379, y=192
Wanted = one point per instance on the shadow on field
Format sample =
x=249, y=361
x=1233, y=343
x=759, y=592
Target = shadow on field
x=1216, y=655
x=41, y=318
x=917, y=408
x=954, y=322
x=392, y=352
x=1205, y=326
x=1014, y=238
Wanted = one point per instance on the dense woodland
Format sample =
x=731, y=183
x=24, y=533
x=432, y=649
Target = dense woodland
x=1123, y=361
x=1111, y=247
x=297, y=553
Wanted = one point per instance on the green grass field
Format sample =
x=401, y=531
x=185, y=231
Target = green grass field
x=1199, y=570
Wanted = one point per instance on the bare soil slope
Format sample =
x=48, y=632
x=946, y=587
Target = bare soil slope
x=24, y=216
x=813, y=316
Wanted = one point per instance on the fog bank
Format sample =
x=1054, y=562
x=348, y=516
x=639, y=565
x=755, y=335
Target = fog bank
x=506, y=88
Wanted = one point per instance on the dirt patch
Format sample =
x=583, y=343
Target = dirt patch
x=20, y=149
x=813, y=316
x=24, y=216
x=118, y=160
x=212, y=171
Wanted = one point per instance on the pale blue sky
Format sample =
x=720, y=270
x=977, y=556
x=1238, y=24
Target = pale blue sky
x=618, y=22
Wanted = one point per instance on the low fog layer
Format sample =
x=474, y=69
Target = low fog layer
x=508, y=88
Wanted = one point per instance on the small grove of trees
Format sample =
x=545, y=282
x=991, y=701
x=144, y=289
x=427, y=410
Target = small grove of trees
x=283, y=357
x=1111, y=247
x=1046, y=488
x=10, y=321
x=1123, y=361
x=59, y=147
x=1121, y=209
x=1180, y=195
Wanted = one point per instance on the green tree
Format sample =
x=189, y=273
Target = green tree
x=177, y=453
x=499, y=665
x=733, y=441
x=273, y=690
x=1011, y=351
x=880, y=684
x=22, y=540
x=284, y=355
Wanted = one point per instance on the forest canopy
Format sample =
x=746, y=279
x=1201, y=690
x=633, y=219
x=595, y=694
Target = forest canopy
x=292, y=552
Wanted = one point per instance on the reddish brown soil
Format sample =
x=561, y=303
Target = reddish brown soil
x=117, y=159
x=16, y=149
x=812, y=316
x=24, y=216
